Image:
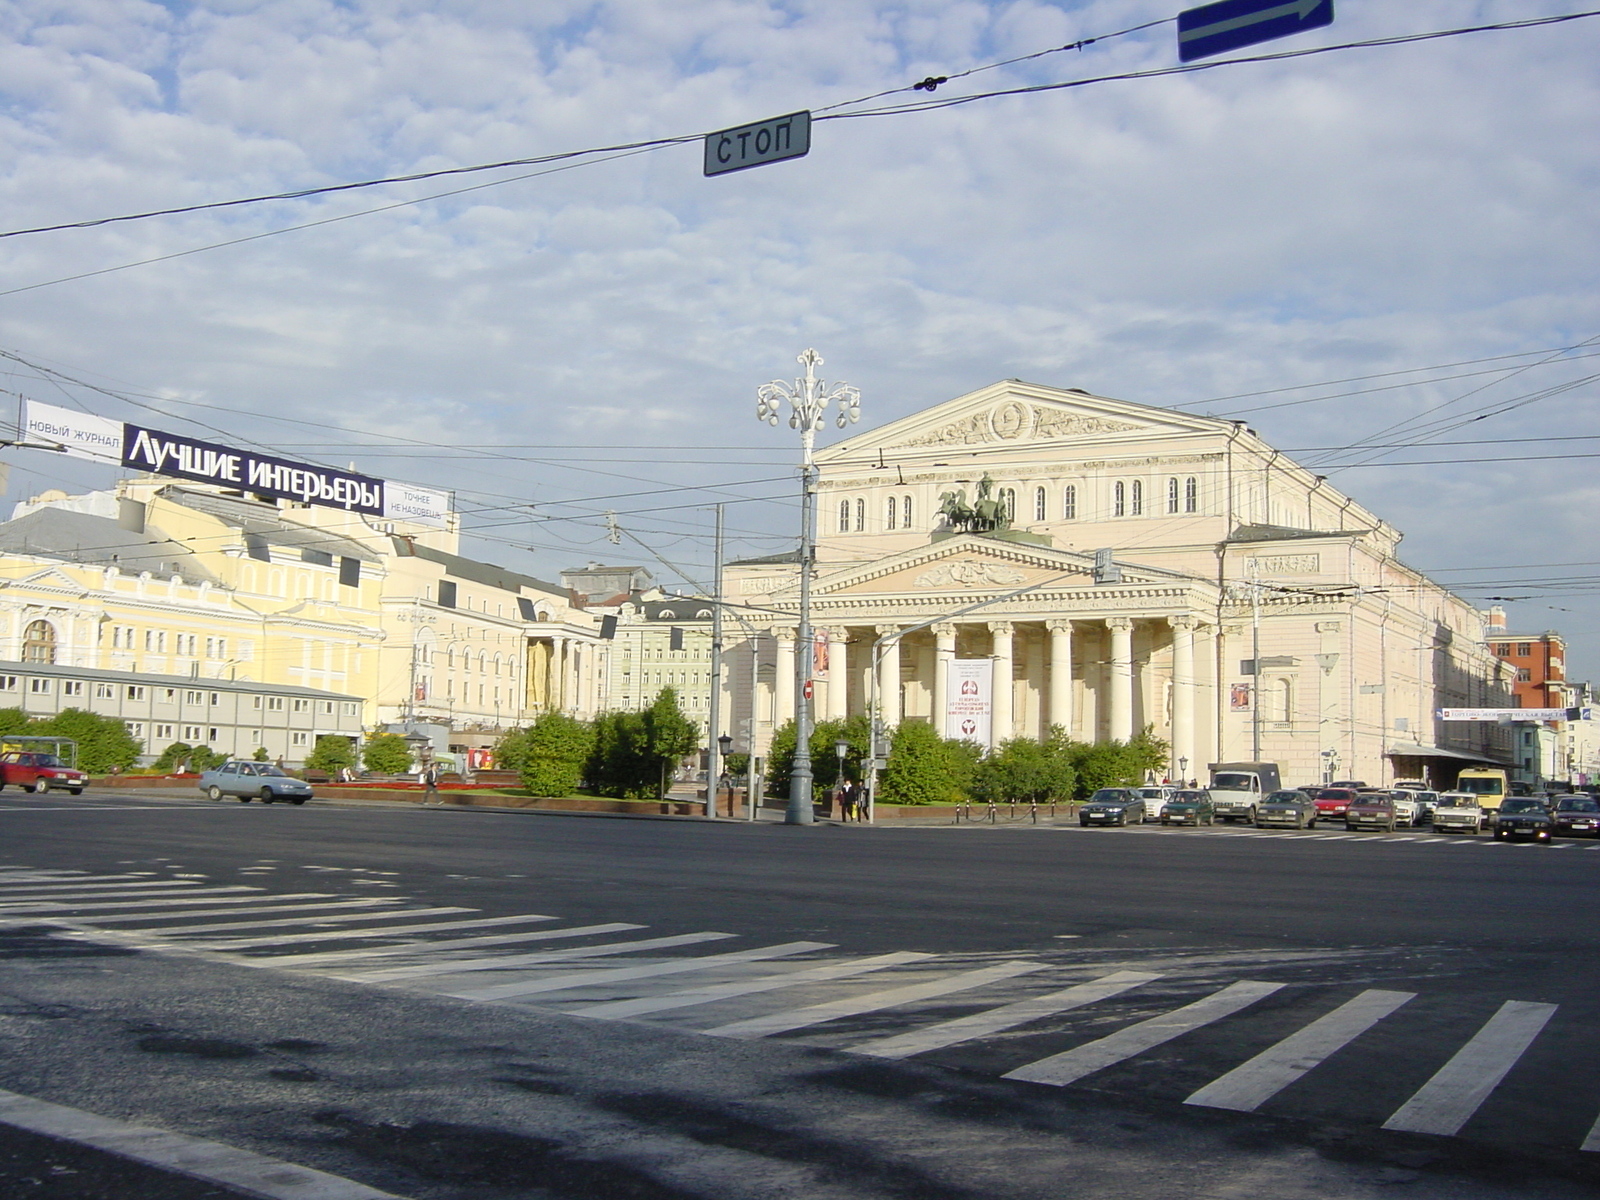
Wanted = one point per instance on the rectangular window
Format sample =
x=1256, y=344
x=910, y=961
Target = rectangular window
x=163, y=733
x=39, y=687
x=274, y=703
x=216, y=647
x=188, y=643
x=1524, y=675
x=298, y=739
x=326, y=707
x=1524, y=649
x=72, y=687
x=349, y=708
x=211, y=734
x=191, y=734
x=104, y=691
x=302, y=706
x=135, y=691
x=216, y=699
x=136, y=729
x=255, y=701
x=191, y=697
x=1069, y=502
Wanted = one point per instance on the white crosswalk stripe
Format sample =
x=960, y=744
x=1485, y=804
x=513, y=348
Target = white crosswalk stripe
x=1447, y=1101
x=505, y=962
x=389, y=909
x=610, y=975
x=412, y=949
x=997, y=1020
x=72, y=896
x=850, y=1006
x=1249, y=1086
x=1072, y=1065
x=7, y=910
x=191, y=914
x=342, y=935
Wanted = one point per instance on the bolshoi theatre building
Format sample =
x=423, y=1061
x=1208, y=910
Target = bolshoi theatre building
x=1106, y=567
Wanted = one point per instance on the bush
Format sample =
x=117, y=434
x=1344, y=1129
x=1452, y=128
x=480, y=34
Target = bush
x=332, y=753
x=171, y=757
x=856, y=730
x=923, y=767
x=1024, y=770
x=1114, y=764
x=634, y=751
x=261, y=754
x=203, y=758
x=550, y=754
x=13, y=720
x=104, y=743
x=386, y=754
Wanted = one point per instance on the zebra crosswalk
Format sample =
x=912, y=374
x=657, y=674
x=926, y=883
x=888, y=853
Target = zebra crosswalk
x=1051, y=1020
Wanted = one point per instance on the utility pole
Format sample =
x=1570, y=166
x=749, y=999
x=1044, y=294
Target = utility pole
x=714, y=716
x=1255, y=661
x=808, y=400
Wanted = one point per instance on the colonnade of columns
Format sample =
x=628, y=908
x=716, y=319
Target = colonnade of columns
x=1099, y=654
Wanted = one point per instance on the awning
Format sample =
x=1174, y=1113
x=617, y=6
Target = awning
x=1416, y=750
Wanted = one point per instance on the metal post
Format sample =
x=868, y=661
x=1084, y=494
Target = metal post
x=714, y=716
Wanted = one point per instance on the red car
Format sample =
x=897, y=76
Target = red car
x=39, y=772
x=1332, y=801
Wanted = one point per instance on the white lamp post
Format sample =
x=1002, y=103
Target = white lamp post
x=808, y=399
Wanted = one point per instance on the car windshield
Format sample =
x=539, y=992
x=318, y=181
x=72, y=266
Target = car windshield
x=1285, y=798
x=1493, y=786
x=1151, y=793
x=1108, y=796
x=1579, y=804
x=270, y=770
x=1521, y=804
x=47, y=760
x=1335, y=794
x=1233, y=781
x=1188, y=797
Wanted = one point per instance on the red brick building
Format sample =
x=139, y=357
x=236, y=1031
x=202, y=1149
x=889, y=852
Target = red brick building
x=1539, y=660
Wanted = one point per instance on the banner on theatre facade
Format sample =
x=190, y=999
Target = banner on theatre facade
x=82, y=435
x=419, y=505
x=969, y=706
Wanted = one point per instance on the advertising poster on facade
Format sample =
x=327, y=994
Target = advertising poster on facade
x=1239, y=696
x=969, y=708
x=81, y=435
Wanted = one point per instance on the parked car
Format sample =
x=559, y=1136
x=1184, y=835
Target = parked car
x=1457, y=812
x=1290, y=807
x=1407, y=809
x=1155, y=798
x=1332, y=801
x=1577, y=816
x=1352, y=784
x=1523, y=817
x=1427, y=800
x=1189, y=807
x=1370, y=810
x=254, y=781
x=1112, y=806
x=39, y=772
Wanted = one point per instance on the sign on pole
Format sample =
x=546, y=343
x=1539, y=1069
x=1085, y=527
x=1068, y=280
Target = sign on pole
x=1514, y=714
x=969, y=707
x=1233, y=24
x=758, y=144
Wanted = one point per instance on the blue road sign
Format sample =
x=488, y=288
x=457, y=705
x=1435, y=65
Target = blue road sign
x=1230, y=24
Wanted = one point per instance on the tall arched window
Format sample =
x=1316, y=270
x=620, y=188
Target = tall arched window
x=1282, y=701
x=1038, y=504
x=861, y=515
x=1008, y=501
x=1069, y=502
x=844, y=516
x=905, y=512
x=1119, y=499
x=1172, y=495
x=1191, y=495
x=39, y=643
x=1136, y=499
x=892, y=514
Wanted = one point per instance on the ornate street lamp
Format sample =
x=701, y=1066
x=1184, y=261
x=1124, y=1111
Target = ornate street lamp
x=808, y=399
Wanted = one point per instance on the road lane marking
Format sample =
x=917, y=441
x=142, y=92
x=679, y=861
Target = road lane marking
x=388, y=906
x=6, y=910
x=674, y=966
x=1592, y=1142
x=1072, y=1065
x=395, y=931
x=179, y=888
x=850, y=1006
x=198, y=1158
x=189, y=914
x=507, y=961
x=1447, y=1101
x=8, y=889
x=995, y=1020
x=1250, y=1085
x=413, y=949
x=613, y=1009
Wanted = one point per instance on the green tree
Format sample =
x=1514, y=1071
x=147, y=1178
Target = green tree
x=669, y=735
x=1116, y=764
x=104, y=743
x=1023, y=769
x=386, y=754
x=261, y=754
x=550, y=754
x=856, y=730
x=203, y=758
x=619, y=765
x=923, y=767
x=172, y=757
x=332, y=753
x=13, y=720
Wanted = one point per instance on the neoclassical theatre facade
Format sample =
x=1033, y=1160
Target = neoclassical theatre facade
x=1120, y=566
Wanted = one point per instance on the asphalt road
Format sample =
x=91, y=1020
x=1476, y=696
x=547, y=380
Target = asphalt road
x=446, y=1003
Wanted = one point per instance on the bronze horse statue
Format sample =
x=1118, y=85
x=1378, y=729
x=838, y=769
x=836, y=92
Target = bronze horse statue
x=984, y=515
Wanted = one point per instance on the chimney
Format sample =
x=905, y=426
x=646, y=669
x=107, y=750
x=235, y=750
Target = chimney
x=1497, y=619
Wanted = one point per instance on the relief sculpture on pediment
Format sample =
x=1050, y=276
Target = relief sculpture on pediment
x=1051, y=423
x=1012, y=420
x=968, y=574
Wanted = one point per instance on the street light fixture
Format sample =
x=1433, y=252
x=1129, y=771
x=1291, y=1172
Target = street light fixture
x=808, y=399
x=719, y=769
x=1183, y=771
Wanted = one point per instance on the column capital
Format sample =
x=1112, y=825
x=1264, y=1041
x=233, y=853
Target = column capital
x=1183, y=621
x=1120, y=624
x=785, y=633
x=1003, y=628
x=886, y=630
x=944, y=629
x=1058, y=626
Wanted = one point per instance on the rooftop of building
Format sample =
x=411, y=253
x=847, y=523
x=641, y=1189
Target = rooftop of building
x=98, y=541
x=151, y=679
x=487, y=574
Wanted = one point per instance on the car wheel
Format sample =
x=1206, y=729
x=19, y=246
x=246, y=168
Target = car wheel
x=41, y=785
x=76, y=791
x=267, y=796
x=213, y=792
x=297, y=800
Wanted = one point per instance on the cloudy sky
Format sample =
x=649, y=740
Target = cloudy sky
x=1237, y=241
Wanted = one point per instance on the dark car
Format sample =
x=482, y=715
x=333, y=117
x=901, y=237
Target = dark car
x=1112, y=806
x=1290, y=807
x=1370, y=810
x=1189, y=807
x=1577, y=816
x=1523, y=817
x=1332, y=801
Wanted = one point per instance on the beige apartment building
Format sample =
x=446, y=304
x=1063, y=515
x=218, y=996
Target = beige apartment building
x=1151, y=569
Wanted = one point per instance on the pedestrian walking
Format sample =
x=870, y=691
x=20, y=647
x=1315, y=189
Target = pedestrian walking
x=430, y=783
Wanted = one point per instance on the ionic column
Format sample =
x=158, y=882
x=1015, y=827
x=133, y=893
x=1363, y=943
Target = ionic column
x=1121, y=677
x=1033, y=686
x=1060, y=674
x=1004, y=689
x=1183, y=690
x=944, y=652
x=838, y=678
x=889, y=678
x=783, y=678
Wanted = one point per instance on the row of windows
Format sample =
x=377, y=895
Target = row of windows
x=1503, y=649
x=44, y=686
x=1127, y=500
x=125, y=637
x=196, y=734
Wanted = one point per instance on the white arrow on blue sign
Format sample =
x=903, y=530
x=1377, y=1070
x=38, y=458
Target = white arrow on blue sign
x=1231, y=24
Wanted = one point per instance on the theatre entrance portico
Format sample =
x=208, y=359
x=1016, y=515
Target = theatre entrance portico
x=1102, y=657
